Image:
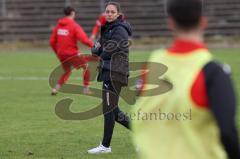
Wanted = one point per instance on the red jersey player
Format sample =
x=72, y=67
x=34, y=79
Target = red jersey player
x=100, y=22
x=63, y=41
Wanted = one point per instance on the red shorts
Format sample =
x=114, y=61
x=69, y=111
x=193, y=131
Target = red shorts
x=76, y=61
x=70, y=62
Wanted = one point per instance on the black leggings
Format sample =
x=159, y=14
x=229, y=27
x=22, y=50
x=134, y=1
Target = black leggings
x=112, y=113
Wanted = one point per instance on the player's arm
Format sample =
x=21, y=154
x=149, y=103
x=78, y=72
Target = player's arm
x=222, y=103
x=96, y=29
x=53, y=40
x=99, y=23
x=82, y=36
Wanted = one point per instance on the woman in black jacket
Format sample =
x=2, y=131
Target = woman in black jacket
x=113, y=49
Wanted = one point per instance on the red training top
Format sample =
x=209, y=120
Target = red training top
x=100, y=22
x=65, y=35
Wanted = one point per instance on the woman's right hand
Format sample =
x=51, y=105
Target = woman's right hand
x=96, y=51
x=97, y=45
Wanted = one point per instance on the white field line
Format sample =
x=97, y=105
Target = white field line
x=32, y=78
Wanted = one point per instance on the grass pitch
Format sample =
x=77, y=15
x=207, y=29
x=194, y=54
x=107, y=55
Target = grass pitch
x=29, y=127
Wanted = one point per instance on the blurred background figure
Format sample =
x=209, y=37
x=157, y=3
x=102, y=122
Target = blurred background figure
x=100, y=22
x=200, y=110
x=63, y=41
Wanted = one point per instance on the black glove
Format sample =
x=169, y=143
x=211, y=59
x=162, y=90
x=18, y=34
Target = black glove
x=96, y=50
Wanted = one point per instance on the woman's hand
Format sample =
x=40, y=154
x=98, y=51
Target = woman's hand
x=96, y=50
x=97, y=45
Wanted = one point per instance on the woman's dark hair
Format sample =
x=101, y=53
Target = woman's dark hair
x=186, y=13
x=68, y=10
x=116, y=4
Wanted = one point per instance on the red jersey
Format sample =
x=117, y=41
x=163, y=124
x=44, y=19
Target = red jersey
x=100, y=22
x=65, y=35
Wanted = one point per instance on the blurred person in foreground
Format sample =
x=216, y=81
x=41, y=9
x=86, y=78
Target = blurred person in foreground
x=63, y=41
x=196, y=118
x=113, y=71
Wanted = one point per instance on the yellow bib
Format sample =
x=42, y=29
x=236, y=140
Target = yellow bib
x=170, y=125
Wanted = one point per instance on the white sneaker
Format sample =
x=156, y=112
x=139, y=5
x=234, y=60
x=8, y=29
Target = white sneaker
x=100, y=149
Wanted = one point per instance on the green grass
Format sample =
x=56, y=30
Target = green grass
x=29, y=127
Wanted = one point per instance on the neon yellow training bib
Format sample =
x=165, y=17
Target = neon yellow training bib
x=170, y=125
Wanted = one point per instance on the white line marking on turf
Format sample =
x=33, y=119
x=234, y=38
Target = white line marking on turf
x=9, y=78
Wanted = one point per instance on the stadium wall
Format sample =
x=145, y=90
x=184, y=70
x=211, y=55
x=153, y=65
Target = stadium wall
x=33, y=20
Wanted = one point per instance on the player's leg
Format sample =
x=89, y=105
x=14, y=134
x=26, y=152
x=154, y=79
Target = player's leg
x=63, y=78
x=81, y=62
x=86, y=80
